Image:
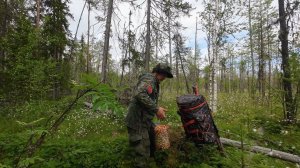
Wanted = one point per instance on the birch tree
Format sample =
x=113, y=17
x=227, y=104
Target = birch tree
x=218, y=17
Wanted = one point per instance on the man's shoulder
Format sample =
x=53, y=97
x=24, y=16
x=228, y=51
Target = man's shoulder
x=147, y=77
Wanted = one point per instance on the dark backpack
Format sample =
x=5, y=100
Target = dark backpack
x=197, y=119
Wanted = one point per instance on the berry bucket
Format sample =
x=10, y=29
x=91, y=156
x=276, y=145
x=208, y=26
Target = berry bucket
x=162, y=137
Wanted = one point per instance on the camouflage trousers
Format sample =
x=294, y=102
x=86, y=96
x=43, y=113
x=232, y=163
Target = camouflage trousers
x=142, y=144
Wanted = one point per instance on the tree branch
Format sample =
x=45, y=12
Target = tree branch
x=30, y=147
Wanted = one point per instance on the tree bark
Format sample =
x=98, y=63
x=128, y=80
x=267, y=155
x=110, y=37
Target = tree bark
x=126, y=48
x=148, y=42
x=156, y=45
x=223, y=75
x=170, y=42
x=196, y=54
x=182, y=67
x=129, y=46
x=3, y=32
x=106, y=42
x=252, y=91
x=38, y=13
x=261, y=67
x=177, y=73
x=88, y=38
x=124, y=55
x=169, y=34
x=214, y=92
x=287, y=86
x=231, y=75
x=209, y=54
x=269, y=66
x=242, y=75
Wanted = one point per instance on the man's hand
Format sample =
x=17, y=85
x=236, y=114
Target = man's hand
x=160, y=114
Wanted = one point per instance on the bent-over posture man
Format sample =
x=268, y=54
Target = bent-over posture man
x=142, y=109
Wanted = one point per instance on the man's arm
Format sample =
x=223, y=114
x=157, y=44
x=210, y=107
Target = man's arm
x=143, y=91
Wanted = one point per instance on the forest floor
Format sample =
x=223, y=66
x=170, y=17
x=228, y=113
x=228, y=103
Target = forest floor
x=90, y=138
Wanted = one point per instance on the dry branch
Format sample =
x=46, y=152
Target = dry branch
x=31, y=147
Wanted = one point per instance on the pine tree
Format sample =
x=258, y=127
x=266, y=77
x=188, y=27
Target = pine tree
x=55, y=39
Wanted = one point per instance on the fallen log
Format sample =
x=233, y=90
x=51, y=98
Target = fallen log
x=88, y=105
x=267, y=151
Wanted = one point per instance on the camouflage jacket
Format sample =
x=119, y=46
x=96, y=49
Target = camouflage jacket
x=143, y=105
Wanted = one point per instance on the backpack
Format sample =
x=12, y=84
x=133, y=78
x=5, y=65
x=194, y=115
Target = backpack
x=197, y=120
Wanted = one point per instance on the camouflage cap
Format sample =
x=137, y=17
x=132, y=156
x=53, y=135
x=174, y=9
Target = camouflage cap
x=163, y=69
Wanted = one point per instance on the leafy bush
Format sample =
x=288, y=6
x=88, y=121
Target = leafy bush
x=103, y=96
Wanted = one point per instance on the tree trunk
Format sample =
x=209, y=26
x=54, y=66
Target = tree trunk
x=124, y=57
x=3, y=32
x=242, y=75
x=251, y=50
x=129, y=45
x=170, y=42
x=230, y=86
x=156, y=46
x=248, y=78
x=75, y=36
x=106, y=41
x=214, y=93
x=169, y=35
x=38, y=13
x=177, y=74
x=270, y=85
x=287, y=86
x=261, y=67
x=211, y=59
x=88, y=38
x=183, y=71
x=148, y=42
x=56, y=87
x=270, y=67
x=196, y=55
x=223, y=75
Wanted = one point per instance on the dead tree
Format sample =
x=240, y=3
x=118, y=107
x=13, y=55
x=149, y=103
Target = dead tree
x=106, y=41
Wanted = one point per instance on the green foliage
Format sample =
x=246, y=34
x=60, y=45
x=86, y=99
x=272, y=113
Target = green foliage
x=26, y=76
x=295, y=67
x=83, y=154
x=90, y=138
x=30, y=161
x=136, y=58
x=90, y=124
x=69, y=153
x=34, y=65
x=102, y=95
x=4, y=166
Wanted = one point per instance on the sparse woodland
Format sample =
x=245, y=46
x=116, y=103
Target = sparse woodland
x=64, y=92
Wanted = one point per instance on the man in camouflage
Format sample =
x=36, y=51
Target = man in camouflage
x=142, y=109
